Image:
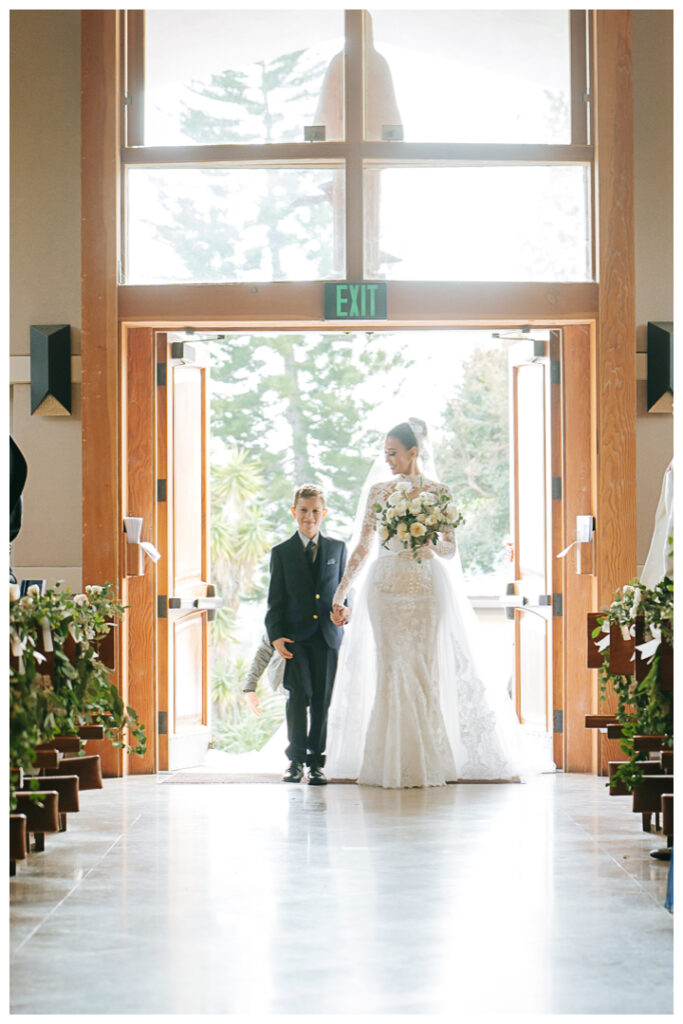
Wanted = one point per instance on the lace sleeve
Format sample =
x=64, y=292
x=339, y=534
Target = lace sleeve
x=445, y=545
x=361, y=550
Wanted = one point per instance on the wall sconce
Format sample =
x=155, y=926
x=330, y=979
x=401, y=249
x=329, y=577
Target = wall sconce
x=660, y=367
x=51, y=370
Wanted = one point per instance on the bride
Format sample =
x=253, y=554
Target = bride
x=409, y=707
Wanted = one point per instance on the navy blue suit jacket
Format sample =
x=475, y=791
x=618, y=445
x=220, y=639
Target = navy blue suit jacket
x=300, y=601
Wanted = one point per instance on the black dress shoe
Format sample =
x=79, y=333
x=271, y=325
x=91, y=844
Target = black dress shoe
x=316, y=777
x=294, y=773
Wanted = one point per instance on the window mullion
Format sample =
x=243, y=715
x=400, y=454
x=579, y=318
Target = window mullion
x=579, y=78
x=353, y=96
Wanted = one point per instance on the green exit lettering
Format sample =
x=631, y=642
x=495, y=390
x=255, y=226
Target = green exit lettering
x=355, y=301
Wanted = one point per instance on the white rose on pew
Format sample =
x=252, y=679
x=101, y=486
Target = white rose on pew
x=93, y=588
x=81, y=599
x=33, y=590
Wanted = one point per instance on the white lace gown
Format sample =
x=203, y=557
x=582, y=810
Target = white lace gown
x=409, y=707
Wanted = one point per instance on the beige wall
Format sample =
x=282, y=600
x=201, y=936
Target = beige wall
x=653, y=160
x=45, y=277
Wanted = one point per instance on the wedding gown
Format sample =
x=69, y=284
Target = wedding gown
x=409, y=707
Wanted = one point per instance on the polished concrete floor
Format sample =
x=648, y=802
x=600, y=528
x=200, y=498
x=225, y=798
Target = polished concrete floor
x=273, y=899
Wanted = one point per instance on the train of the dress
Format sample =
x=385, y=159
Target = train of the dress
x=483, y=738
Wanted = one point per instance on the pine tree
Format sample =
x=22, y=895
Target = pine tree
x=251, y=223
x=308, y=386
x=474, y=456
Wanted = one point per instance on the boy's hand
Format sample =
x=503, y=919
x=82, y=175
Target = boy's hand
x=253, y=703
x=279, y=646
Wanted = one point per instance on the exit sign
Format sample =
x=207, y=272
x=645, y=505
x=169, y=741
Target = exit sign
x=345, y=300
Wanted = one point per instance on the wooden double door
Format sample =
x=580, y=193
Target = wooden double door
x=166, y=648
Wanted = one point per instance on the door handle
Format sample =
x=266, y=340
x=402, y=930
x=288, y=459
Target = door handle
x=209, y=604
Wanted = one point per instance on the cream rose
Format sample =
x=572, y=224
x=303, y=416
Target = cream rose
x=418, y=530
x=401, y=529
x=415, y=507
x=383, y=533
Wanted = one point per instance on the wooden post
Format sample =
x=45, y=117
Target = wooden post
x=615, y=372
x=100, y=127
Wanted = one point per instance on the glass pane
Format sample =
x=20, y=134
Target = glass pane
x=242, y=224
x=478, y=223
x=469, y=76
x=242, y=76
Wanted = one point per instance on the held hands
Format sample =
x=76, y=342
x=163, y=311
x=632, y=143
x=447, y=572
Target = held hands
x=340, y=614
x=253, y=703
x=279, y=646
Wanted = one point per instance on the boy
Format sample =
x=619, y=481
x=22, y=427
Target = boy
x=305, y=571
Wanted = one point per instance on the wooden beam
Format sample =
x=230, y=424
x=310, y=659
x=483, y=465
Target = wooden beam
x=411, y=304
x=290, y=154
x=100, y=126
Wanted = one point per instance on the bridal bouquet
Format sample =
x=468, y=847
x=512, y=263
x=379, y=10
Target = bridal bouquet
x=412, y=523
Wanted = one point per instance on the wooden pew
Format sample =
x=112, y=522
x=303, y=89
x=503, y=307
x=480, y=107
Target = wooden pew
x=40, y=817
x=66, y=786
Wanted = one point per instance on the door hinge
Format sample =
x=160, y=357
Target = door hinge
x=558, y=720
x=557, y=488
x=557, y=604
x=127, y=99
x=161, y=606
x=161, y=490
x=119, y=272
x=555, y=371
x=163, y=723
x=161, y=375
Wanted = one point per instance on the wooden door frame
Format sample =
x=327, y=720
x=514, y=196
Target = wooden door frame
x=108, y=309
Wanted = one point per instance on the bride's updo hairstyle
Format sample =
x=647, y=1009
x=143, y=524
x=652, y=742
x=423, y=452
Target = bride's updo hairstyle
x=410, y=434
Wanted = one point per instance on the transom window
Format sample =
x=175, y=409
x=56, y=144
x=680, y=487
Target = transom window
x=316, y=145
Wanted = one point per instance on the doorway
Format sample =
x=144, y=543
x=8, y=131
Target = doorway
x=242, y=372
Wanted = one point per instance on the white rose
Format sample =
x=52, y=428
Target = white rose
x=383, y=533
x=428, y=498
x=418, y=530
x=415, y=506
x=394, y=498
x=422, y=518
x=401, y=529
x=26, y=601
x=401, y=508
x=451, y=512
x=81, y=599
x=34, y=590
x=636, y=600
x=93, y=588
x=431, y=520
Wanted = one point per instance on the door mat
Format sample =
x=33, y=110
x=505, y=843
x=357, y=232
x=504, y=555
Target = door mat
x=197, y=778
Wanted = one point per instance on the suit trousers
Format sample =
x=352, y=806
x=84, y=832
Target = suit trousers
x=309, y=678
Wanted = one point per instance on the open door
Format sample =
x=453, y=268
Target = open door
x=186, y=599
x=535, y=604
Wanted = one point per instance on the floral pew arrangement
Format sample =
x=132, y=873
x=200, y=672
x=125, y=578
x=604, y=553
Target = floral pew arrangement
x=631, y=643
x=61, y=693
